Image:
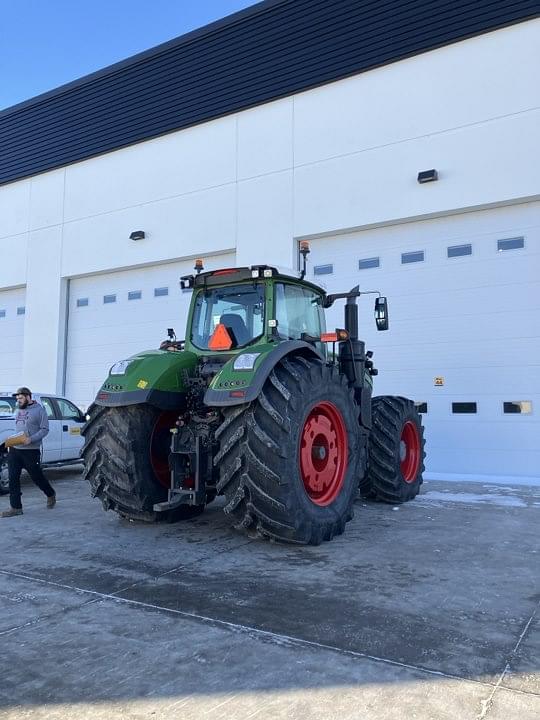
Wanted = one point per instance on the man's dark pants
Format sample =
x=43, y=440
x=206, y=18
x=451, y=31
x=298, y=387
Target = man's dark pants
x=28, y=460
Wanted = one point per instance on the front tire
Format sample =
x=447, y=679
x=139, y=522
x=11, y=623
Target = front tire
x=289, y=460
x=396, y=451
x=125, y=461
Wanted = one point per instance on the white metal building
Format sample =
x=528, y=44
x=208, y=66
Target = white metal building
x=337, y=163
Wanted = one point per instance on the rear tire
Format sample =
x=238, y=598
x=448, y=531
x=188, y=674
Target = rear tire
x=288, y=461
x=396, y=451
x=118, y=463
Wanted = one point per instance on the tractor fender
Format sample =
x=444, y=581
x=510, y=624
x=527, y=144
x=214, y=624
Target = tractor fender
x=162, y=399
x=223, y=398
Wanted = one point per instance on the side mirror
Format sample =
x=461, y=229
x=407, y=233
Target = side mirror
x=381, y=313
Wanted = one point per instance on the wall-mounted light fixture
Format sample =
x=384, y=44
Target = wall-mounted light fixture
x=137, y=235
x=427, y=176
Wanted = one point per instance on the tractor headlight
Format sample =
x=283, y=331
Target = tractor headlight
x=120, y=368
x=246, y=361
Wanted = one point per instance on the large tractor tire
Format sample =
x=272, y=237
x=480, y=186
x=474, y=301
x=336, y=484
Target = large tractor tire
x=396, y=451
x=288, y=461
x=126, y=461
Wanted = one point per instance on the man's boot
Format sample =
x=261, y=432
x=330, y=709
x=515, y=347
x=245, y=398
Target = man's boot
x=51, y=501
x=12, y=512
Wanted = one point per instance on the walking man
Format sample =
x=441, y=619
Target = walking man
x=32, y=424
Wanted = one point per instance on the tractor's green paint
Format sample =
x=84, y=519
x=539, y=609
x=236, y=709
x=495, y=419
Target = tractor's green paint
x=153, y=369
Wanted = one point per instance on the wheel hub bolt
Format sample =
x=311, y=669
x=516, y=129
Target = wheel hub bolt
x=318, y=452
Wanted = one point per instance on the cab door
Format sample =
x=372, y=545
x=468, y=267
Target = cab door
x=71, y=420
x=52, y=442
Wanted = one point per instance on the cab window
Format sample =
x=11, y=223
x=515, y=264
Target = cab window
x=68, y=411
x=49, y=408
x=240, y=308
x=298, y=310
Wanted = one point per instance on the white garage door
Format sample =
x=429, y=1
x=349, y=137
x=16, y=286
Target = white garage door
x=115, y=315
x=464, y=296
x=12, y=309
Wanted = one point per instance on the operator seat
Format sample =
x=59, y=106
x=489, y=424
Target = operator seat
x=237, y=326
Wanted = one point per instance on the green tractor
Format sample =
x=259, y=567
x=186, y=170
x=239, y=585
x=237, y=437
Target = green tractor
x=258, y=404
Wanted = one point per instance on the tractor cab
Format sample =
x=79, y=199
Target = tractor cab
x=237, y=308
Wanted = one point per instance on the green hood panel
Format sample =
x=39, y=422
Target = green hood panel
x=149, y=376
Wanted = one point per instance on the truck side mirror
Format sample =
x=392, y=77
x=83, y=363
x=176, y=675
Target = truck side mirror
x=381, y=313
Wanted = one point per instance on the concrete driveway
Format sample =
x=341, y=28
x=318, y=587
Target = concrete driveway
x=429, y=610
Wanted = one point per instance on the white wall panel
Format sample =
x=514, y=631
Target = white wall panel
x=462, y=84
x=265, y=220
x=45, y=318
x=380, y=185
x=183, y=162
x=183, y=226
x=13, y=258
x=265, y=139
x=15, y=208
x=11, y=338
x=47, y=199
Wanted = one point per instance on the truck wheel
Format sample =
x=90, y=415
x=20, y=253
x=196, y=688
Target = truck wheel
x=288, y=460
x=126, y=461
x=396, y=451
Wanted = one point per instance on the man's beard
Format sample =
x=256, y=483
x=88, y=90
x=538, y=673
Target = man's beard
x=23, y=403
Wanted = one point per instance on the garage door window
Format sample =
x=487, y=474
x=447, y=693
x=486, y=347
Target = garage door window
x=510, y=244
x=108, y=299
x=21, y=310
x=323, y=269
x=134, y=295
x=463, y=408
x=161, y=292
x=412, y=257
x=459, y=250
x=2, y=313
x=367, y=263
x=522, y=407
x=82, y=302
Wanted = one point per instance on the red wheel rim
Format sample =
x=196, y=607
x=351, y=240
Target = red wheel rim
x=409, y=451
x=160, y=447
x=323, y=453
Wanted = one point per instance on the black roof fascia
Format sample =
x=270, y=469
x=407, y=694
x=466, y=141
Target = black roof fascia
x=268, y=51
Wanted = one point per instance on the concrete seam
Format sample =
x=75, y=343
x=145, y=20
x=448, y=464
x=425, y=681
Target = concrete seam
x=487, y=704
x=257, y=632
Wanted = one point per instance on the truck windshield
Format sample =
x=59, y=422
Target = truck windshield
x=239, y=308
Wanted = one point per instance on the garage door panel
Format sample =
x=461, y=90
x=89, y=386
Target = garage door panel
x=427, y=277
x=99, y=334
x=490, y=463
x=473, y=320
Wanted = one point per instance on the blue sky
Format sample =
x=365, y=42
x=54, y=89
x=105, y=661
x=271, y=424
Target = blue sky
x=46, y=43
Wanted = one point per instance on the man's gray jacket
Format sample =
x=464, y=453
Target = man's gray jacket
x=34, y=422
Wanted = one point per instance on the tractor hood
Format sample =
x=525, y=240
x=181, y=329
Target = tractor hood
x=155, y=377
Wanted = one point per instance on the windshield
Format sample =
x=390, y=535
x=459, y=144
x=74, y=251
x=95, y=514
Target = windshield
x=239, y=308
x=7, y=406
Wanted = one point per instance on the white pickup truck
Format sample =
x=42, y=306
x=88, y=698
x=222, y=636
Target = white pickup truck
x=63, y=444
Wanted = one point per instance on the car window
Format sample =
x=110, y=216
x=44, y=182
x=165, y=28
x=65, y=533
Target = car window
x=6, y=406
x=68, y=410
x=49, y=409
